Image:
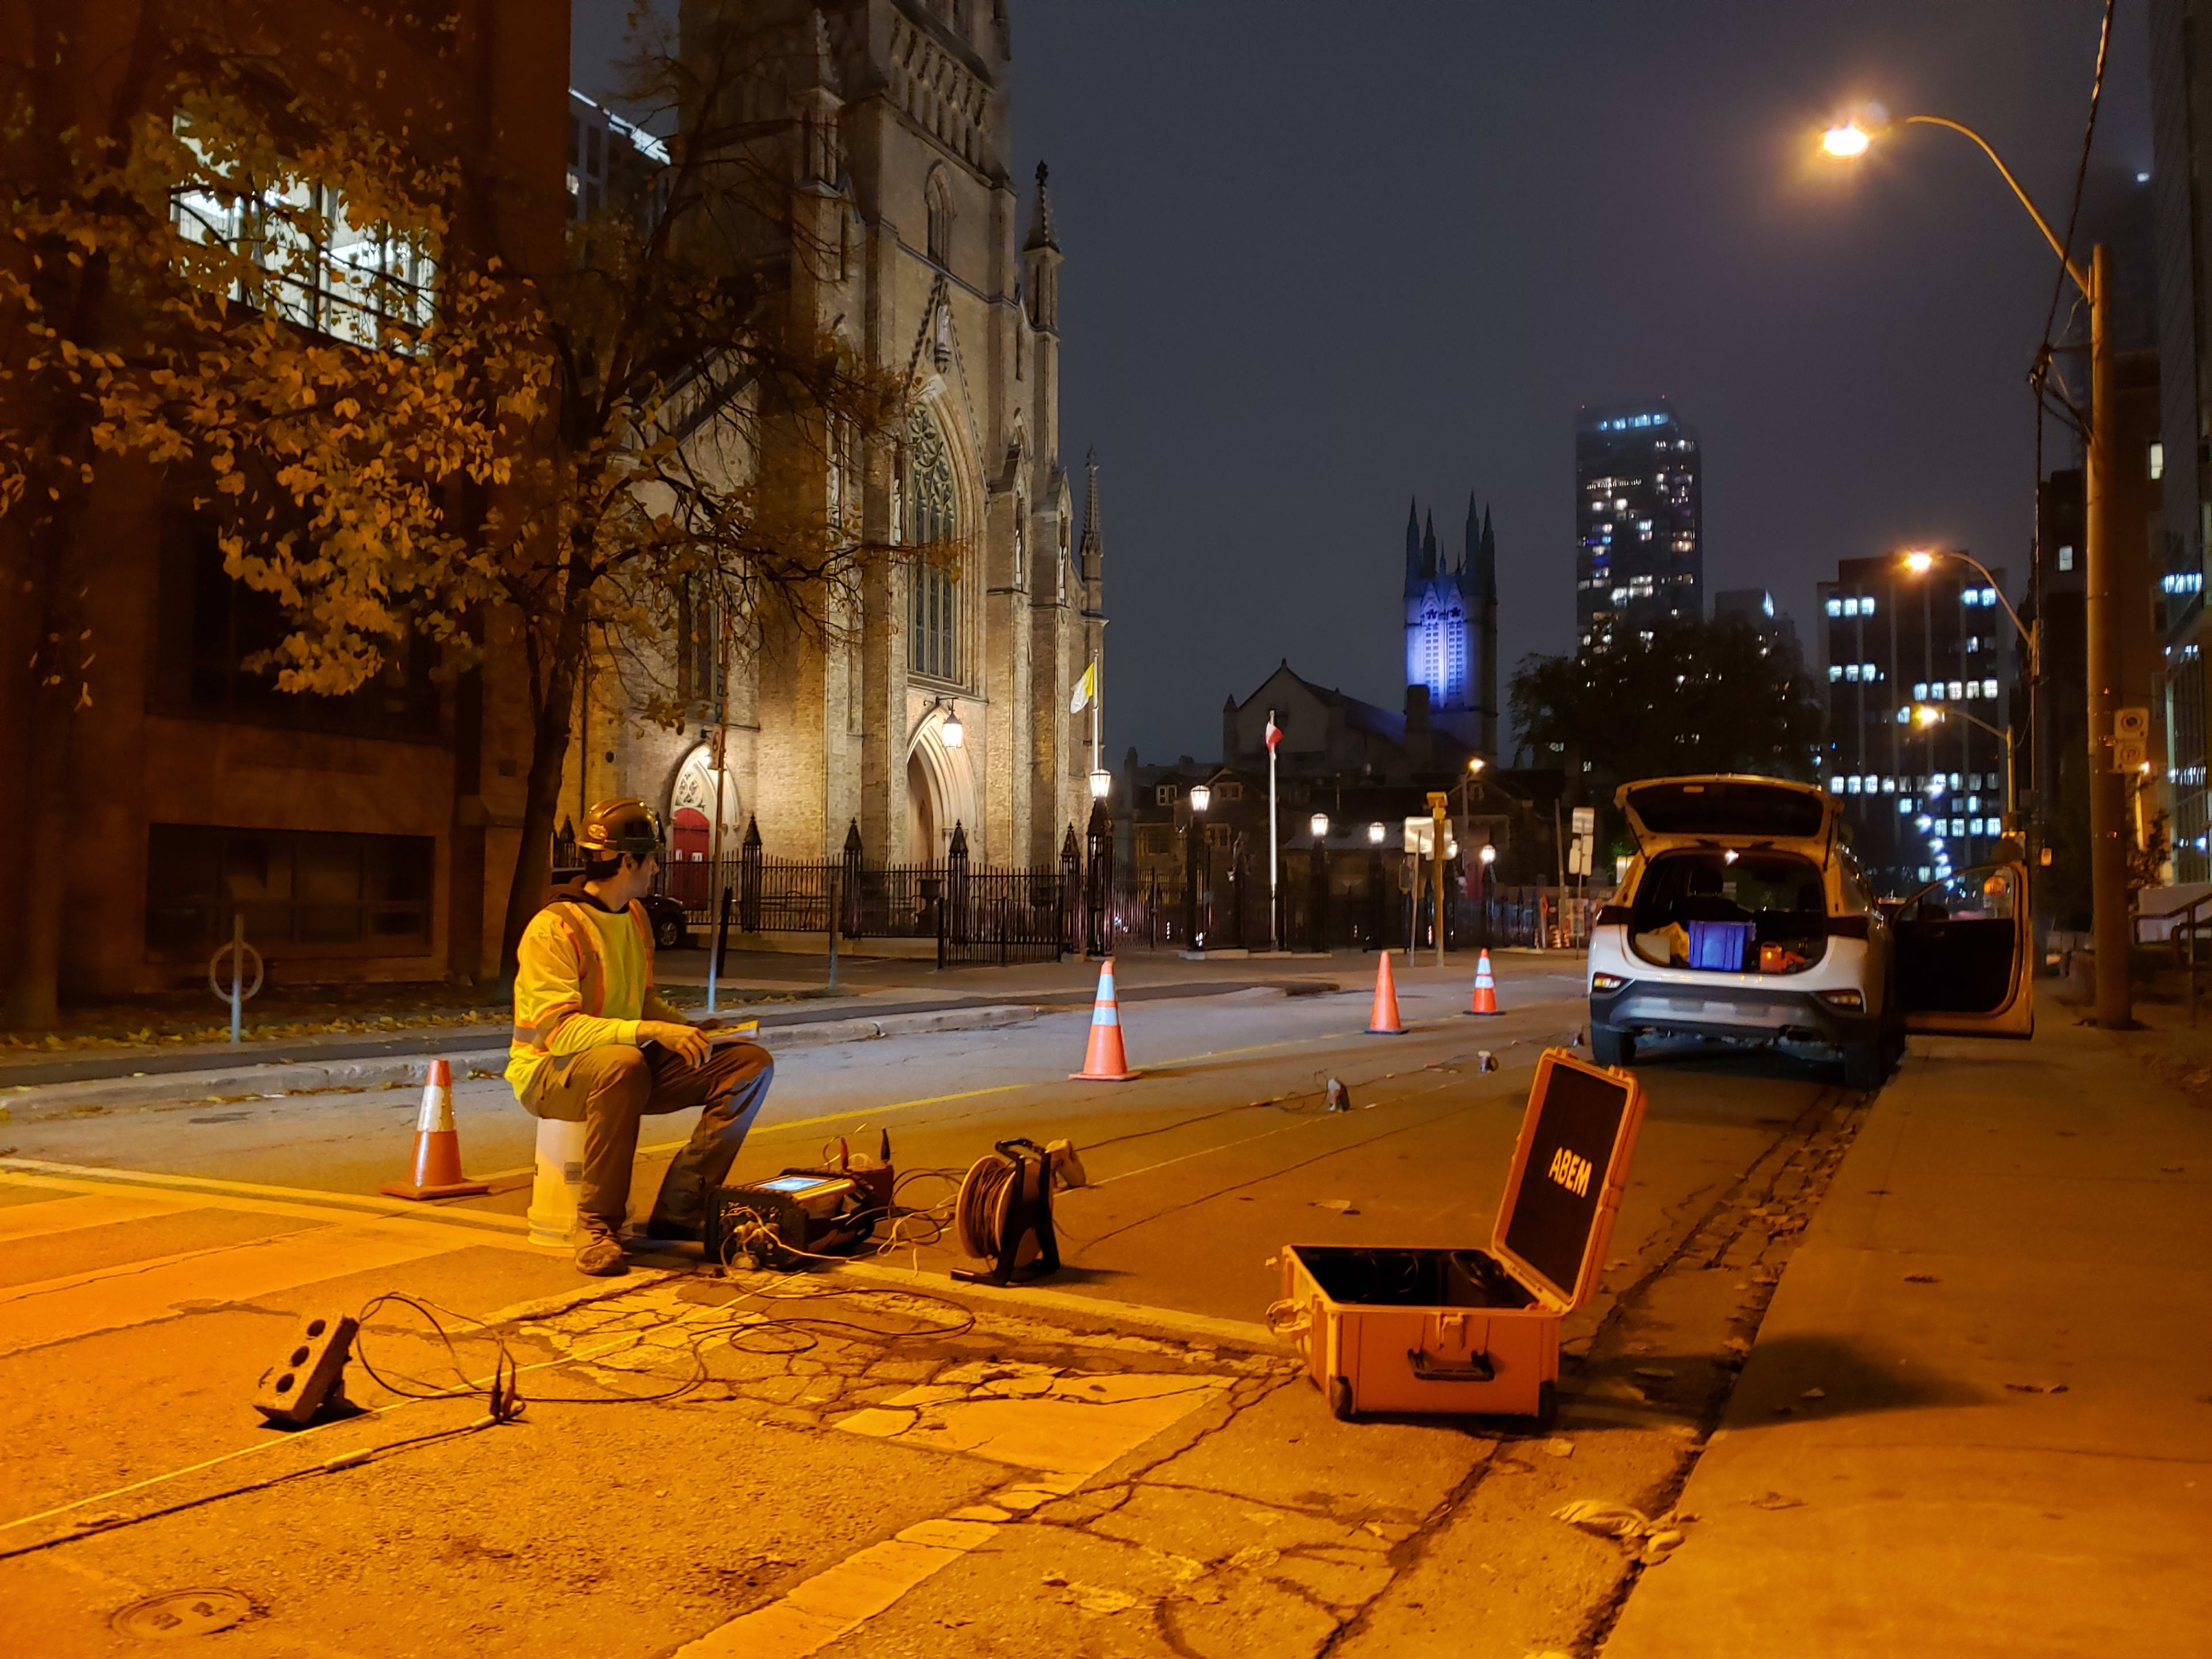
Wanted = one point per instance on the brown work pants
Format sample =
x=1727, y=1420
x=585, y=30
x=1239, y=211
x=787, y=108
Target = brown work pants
x=608, y=1089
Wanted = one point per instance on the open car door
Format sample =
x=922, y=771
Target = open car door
x=1965, y=960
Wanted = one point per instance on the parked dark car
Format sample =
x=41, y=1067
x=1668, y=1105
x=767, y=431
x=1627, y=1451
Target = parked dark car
x=670, y=930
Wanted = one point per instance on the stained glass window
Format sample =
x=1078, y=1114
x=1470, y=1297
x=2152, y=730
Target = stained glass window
x=932, y=523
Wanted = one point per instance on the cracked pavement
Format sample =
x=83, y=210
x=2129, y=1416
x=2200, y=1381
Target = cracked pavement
x=875, y=1461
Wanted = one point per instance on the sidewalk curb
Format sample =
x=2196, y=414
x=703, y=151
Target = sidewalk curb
x=47, y=1101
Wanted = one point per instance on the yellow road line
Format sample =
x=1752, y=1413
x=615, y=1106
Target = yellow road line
x=486, y=1227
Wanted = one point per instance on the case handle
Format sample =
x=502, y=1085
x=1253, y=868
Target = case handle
x=1475, y=1368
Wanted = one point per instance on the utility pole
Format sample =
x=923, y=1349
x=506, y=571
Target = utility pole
x=2108, y=854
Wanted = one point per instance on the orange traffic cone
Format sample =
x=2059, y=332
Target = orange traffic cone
x=1384, y=1021
x=435, y=1169
x=1103, y=1061
x=1485, y=1001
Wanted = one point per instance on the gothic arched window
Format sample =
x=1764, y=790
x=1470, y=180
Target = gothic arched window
x=939, y=197
x=932, y=525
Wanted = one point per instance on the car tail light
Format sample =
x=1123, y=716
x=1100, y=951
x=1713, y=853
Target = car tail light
x=1841, y=999
x=1606, y=981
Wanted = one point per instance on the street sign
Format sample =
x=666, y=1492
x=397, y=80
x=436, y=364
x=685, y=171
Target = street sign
x=1420, y=837
x=2128, y=754
x=2131, y=725
x=1586, y=820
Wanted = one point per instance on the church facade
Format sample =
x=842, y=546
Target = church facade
x=1451, y=626
x=939, y=699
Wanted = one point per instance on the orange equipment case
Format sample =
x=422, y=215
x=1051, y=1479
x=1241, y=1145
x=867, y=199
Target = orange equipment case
x=1469, y=1330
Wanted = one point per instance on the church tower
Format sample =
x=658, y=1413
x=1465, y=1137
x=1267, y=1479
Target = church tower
x=1478, y=583
x=1439, y=642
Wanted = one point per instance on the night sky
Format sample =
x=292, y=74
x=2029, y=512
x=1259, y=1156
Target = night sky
x=1321, y=258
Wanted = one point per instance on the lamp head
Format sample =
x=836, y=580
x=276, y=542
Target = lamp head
x=953, y=733
x=1102, y=785
x=1319, y=824
x=1488, y=854
x=1926, y=713
x=1199, y=795
x=1375, y=834
x=1846, y=142
x=1919, y=563
x=1474, y=765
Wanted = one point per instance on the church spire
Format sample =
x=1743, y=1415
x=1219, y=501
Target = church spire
x=1412, y=547
x=1090, y=551
x=1041, y=217
x=1429, y=549
x=1485, y=558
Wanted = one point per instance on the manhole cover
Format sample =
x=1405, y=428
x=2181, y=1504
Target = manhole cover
x=182, y=1613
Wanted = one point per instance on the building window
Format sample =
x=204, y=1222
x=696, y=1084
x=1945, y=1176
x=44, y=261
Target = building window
x=353, y=283
x=940, y=219
x=2065, y=557
x=2157, y=460
x=305, y=891
x=698, y=645
x=210, y=626
x=934, y=621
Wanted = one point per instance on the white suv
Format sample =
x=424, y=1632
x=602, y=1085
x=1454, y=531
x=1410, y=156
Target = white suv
x=1743, y=915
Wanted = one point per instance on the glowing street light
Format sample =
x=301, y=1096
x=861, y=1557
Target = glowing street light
x=1847, y=142
x=1101, y=784
x=1375, y=834
x=1319, y=824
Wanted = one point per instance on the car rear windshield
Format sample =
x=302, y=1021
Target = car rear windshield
x=1752, y=810
x=1733, y=913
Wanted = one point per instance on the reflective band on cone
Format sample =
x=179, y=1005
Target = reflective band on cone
x=1103, y=1060
x=1484, y=999
x=558, y=1184
x=434, y=1171
x=1384, y=1021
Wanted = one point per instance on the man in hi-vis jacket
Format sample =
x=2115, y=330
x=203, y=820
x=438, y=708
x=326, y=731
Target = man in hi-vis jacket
x=594, y=1043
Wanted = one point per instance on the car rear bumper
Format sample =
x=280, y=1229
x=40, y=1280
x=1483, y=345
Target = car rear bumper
x=1729, y=1009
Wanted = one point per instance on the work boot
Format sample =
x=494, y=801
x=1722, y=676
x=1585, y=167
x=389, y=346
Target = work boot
x=599, y=1255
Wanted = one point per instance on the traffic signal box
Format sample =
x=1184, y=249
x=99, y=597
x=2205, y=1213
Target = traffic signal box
x=1472, y=1330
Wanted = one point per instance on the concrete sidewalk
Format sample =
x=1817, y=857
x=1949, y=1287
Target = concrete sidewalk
x=1978, y=1419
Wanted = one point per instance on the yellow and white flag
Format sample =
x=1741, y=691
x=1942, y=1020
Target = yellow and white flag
x=1086, y=688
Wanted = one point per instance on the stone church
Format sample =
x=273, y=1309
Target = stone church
x=943, y=699
x=1451, y=626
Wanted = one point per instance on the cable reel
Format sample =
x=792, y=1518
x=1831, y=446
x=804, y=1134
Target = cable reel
x=1003, y=1214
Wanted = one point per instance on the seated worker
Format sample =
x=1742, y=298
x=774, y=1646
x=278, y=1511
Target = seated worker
x=595, y=1043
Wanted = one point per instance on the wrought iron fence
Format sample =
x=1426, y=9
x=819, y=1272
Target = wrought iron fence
x=1006, y=915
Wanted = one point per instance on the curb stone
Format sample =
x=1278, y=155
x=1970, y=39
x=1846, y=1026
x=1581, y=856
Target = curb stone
x=177, y=1088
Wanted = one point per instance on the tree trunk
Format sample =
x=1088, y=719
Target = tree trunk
x=549, y=754
x=34, y=991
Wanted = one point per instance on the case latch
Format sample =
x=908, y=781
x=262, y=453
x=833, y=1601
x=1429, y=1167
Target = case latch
x=1451, y=1331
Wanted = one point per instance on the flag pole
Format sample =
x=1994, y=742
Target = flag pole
x=1274, y=903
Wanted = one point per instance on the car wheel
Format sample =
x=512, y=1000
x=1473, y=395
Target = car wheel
x=669, y=933
x=1866, y=1064
x=1611, y=1047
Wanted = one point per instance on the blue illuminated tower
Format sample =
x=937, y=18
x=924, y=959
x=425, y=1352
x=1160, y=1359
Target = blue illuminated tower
x=1451, y=626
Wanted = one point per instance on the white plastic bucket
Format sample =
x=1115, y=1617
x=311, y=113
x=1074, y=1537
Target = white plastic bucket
x=559, y=1183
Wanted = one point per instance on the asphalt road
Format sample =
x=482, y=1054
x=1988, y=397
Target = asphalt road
x=1220, y=1152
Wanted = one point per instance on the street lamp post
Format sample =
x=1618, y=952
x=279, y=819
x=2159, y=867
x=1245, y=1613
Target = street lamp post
x=1474, y=765
x=1929, y=714
x=1483, y=861
x=1375, y=834
x=2108, y=858
x=1317, y=926
x=1193, y=848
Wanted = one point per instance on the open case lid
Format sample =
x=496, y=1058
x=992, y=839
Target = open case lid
x=1569, y=1168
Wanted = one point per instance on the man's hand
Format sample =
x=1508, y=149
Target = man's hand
x=688, y=1042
